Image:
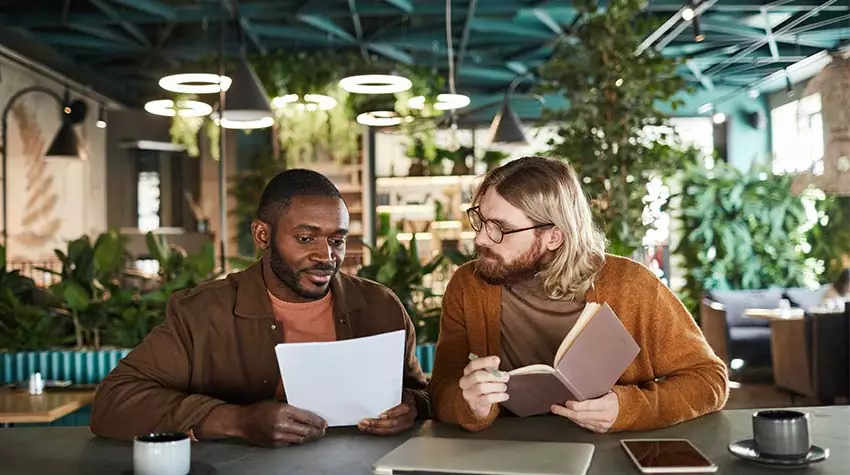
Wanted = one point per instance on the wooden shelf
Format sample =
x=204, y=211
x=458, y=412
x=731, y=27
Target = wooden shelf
x=392, y=182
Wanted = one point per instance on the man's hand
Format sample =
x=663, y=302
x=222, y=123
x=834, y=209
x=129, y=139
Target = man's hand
x=481, y=389
x=393, y=421
x=597, y=415
x=274, y=424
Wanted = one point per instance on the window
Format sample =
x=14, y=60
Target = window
x=797, y=129
x=148, y=201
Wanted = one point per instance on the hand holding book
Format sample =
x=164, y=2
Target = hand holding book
x=597, y=415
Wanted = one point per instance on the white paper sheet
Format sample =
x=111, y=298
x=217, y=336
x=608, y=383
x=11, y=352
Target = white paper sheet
x=344, y=381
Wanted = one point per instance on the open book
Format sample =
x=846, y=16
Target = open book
x=592, y=357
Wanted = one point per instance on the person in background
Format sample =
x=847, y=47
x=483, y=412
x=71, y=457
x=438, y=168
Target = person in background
x=839, y=290
x=540, y=259
x=211, y=371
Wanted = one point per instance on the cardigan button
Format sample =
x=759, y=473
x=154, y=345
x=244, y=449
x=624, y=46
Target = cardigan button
x=274, y=327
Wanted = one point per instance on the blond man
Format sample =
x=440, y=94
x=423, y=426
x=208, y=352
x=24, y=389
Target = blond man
x=540, y=260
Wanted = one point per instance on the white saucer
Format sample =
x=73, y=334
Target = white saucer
x=746, y=449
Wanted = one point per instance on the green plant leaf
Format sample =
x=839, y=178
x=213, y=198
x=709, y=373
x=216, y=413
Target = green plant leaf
x=75, y=296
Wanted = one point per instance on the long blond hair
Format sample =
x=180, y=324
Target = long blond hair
x=548, y=191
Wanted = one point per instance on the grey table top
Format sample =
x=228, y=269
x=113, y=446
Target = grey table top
x=69, y=450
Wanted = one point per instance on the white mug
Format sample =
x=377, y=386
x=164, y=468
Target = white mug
x=162, y=454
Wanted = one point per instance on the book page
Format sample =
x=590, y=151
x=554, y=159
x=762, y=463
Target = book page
x=589, y=311
x=535, y=368
x=344, y=381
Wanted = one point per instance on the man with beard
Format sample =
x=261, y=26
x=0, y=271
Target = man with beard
x=540, y=259
x=211, y=371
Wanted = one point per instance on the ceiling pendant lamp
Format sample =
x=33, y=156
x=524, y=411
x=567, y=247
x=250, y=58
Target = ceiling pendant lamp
x=445, y=102
x=506, y=127
x=195, y=83
x=246, y=100
x=375, y=84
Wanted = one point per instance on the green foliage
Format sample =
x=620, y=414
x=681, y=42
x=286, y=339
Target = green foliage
x=398, y=267
x=613, y=96
x=743, y=230
x=830, y=236
x=306, y=136
x=24, y=324
x=247, y=189
x=90, y=275
x=92, y=306
x=28, y=327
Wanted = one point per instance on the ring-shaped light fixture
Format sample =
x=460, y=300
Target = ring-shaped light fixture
x=444, y=102
x=312, y=102
x=187, y=108
x=375, y=84
x=379, y=118
x=243, y=124
x=195, y=83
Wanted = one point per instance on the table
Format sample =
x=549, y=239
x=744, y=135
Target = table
x=773, y=314
x=345, y=451
x=809, y=355
x=21, y=407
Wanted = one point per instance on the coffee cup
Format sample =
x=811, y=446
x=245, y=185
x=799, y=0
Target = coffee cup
x=781, y=433
x=166, y=453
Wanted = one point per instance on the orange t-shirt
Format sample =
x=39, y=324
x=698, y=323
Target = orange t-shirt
x=306, y=322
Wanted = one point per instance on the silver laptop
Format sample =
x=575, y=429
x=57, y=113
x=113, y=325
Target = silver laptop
x=433, y=455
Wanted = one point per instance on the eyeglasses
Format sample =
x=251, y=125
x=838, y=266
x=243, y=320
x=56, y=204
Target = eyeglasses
x=492, y=228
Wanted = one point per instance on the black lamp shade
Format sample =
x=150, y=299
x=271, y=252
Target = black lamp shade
x=246, y=98
x=506, y=126
x=65, y=144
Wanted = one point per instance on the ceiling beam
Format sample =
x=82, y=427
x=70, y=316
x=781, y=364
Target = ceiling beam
x=703, y=79
x=328, y=26
x=293, y=33
x=403, y=5
x=358, y=28
x=547, y=20
x=152, y=7
x=79, y=41
x=758, y=44
x=464, y=35
x=390, y=52
x=672, y=24
x=781, y=6
x=709, y=24
x=98, y=32
x=506, y=27
x=115, y=17
x=771, y=41
x=244, y=25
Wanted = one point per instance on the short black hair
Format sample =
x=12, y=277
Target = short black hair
x=278, y=194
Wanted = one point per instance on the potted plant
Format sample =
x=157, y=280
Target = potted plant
x=87, y=322
x=399, y=268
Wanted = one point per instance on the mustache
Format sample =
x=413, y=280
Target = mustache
x=320, y=268
x=484, y=252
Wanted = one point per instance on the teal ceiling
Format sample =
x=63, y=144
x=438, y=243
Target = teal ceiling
x=129, y=44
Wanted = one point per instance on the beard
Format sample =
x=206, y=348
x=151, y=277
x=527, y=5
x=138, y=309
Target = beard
x=292, y=277
x=494, y=270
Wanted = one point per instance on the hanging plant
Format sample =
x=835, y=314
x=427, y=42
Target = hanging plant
x=184, y=130
x=306, y=133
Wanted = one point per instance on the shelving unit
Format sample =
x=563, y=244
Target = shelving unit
x=433, y=208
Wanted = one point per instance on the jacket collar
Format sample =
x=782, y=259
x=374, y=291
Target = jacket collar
x=252, y=300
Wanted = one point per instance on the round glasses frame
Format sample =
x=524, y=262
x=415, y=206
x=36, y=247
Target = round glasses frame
x=493, y=229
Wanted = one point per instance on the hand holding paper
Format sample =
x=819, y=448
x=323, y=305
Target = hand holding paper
x=344, y=381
